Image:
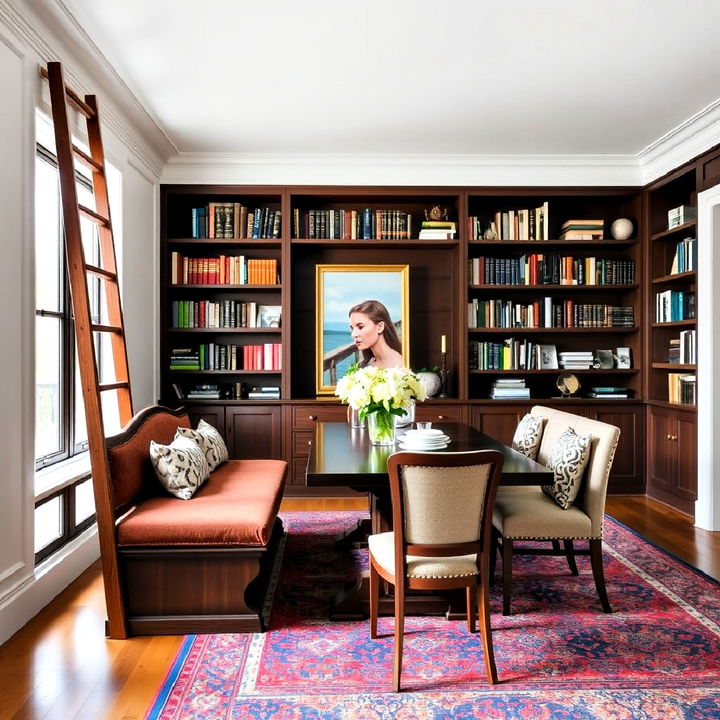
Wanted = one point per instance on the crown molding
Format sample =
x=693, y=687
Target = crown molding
x=683, y=143
x=49, y=29
x=339, y=169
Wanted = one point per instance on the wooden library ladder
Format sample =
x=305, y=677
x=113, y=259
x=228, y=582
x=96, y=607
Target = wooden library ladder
x=85, y=329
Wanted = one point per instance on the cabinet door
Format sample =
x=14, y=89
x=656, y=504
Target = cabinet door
x=254, y=431
x=686, y=448
x=213, y=414
x=497, y=421
x=626, y=474
x=661, y=450
x=439, y=412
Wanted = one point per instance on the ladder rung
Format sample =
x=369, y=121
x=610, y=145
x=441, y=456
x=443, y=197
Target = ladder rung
x=107, y=329
x=76, y=100
x=92, y=215
x=86, y=159
x=104, y=387
x=101, y=272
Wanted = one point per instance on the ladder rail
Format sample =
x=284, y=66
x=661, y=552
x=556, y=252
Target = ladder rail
x=89, y=379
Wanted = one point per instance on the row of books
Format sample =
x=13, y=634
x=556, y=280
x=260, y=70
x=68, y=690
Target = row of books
x=683, y=350
x=682, y=388
x=546, y=313
x=218, y=356
x=550, y=269
x=227, y=391
x=524, y=354
x=224, y=314
x=223, y=270
x=674, y=305
x=515, y=224
x=233, y=220
x=685, y=258
x=349, y=224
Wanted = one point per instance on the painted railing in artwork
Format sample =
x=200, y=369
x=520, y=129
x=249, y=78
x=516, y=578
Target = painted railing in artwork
x=333, y=358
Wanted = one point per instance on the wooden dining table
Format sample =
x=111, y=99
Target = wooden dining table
x=341, y=455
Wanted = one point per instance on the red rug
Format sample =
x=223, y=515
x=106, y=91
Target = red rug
x=558, y=656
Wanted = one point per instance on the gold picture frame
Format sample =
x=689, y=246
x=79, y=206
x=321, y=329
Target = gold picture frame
x=337, y=289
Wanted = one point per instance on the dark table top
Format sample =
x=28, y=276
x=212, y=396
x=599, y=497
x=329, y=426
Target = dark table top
x=342, y=455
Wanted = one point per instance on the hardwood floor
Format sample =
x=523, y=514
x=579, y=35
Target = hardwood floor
x=60, y=666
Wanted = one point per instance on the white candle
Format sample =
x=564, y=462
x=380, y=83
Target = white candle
x=442, y=344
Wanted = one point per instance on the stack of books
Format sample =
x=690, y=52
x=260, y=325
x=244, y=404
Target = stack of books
x=437, y=230
x=509, y=389
x=609, y=392
x=204, y=391
x=265, y=392
x=681, y=215
x=582, y=230
x=685, y=258
x=576, y=359
x=184, y=359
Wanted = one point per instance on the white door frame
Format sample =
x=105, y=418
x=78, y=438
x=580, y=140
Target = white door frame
x=707, y=505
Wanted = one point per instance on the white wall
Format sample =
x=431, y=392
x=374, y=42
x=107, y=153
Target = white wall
x=25, y=42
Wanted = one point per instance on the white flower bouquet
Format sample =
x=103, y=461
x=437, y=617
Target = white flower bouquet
x=380, y=392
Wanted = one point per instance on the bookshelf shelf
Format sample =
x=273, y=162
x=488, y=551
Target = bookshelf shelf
x=690, y=322
x=674, y=366
x=676, y=278
x=225, y=372
x=555, y=330
x=673, y=232
x=226, y=330
x=555, y=244
x=241, y=286
x=555, y=288
x=245, y=243
x=355, y=242
x=557, y=371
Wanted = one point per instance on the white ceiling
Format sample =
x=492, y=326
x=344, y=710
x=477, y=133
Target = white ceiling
x=459, y=77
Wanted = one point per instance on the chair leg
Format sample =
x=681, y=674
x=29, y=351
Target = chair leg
x=570, y=556
x=596, y=561
x=483, y=602
x=399, y=631
x=470, y=607
x=507, y=548
x=374, y=591
x=495, y=548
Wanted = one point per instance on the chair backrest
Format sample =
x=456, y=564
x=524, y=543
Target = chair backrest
x=442, y=502
x=603, y=445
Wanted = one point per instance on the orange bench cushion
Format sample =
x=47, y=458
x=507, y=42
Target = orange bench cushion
x=236, y=506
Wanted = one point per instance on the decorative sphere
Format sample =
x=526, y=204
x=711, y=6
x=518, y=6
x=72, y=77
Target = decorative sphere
x=431, y=382
x=621, y=229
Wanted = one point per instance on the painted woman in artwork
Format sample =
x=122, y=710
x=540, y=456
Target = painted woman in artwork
x=374, y=334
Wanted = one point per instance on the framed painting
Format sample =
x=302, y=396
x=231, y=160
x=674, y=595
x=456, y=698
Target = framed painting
x=339, y=288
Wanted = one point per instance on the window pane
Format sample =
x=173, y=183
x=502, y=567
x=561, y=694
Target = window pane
x=84, y=501
x=48, y=522
x=80, y=425
x=111, y=412
x=48, y=393
x=48, y=238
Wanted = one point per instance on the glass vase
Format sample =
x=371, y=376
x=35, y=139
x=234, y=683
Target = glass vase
x=381, y=428
x=353, y=417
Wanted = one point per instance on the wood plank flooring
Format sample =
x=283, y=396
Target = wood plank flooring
x=60, y=666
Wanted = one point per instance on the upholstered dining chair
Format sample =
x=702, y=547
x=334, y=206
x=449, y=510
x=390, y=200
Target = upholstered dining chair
x=580, y=450
x=441, y=538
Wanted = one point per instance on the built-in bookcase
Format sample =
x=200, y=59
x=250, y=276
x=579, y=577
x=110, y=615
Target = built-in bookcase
x=222, y=315
x=530, y=297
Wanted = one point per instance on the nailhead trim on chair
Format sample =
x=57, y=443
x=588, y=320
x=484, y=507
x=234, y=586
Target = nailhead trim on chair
x=441, y=577
x=552, y=537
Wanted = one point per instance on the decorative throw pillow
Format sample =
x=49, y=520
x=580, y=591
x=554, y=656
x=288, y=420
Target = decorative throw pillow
x=568, y=459
x=181, y=466
x=209, y=440
x=528, y=435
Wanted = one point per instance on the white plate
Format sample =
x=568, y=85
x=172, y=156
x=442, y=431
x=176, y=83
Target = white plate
x=431, y=432
x=423, y=446
x=423, y=440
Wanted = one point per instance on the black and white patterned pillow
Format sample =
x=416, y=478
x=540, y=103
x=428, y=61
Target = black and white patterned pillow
x=568, y=459
x=209, y=441
x=528, y=435
x=180, y=467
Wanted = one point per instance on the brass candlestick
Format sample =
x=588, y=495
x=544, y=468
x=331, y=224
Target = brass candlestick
x=443, y=376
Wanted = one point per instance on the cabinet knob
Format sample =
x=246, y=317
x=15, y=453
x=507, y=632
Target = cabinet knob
x=441, y=417
x=312, y=417
x=669, y=437
x=674, y=437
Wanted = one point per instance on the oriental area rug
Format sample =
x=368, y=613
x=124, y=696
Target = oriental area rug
x=558, y=655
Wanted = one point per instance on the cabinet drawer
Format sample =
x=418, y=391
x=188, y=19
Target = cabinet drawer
x=299, y=466
x=301, y=443
x=305, y=416
x=439, y=413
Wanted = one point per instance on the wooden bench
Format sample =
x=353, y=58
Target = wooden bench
x=191, y=566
